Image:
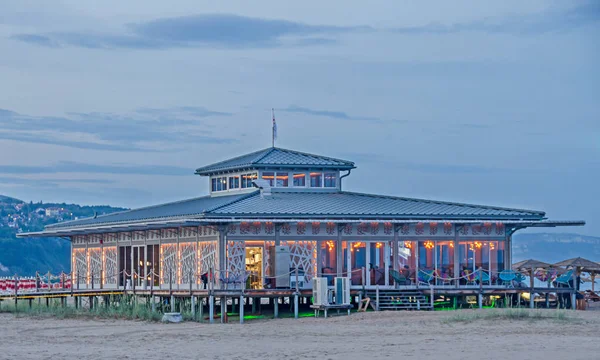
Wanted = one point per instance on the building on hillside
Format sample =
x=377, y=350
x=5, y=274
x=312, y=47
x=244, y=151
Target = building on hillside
x=273, y=211
x=54, y=211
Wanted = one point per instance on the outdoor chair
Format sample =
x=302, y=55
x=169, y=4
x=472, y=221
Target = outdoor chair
x=399, y=279
x=507, y=277
x=565, y=278
x=470, y=277
x=482, y=276
x=425, y=276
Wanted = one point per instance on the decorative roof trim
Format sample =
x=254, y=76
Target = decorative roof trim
x=185, y=222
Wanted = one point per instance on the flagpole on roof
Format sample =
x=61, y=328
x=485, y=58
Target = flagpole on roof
x=274, y=129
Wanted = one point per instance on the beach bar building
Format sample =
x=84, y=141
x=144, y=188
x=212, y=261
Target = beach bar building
x=276, y=218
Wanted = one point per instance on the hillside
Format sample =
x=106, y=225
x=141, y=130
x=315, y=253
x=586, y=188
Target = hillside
x=26, y=256
x=551, y=247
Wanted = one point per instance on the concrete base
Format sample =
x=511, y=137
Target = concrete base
x=172, y=318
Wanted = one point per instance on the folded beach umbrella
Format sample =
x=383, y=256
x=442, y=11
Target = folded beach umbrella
x=530, y=264
x=579, y=262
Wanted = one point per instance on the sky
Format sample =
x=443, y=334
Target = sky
x=118, y=102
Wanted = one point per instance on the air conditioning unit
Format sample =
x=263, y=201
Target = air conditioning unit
x=320, y=291
x=342, y=290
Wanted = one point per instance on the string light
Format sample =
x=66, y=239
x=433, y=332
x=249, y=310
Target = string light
x=330, y=244
x=429, y=245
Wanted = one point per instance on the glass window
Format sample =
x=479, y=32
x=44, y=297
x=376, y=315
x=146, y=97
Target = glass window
x=282, y=179
x=234, y=182
x=221, y=183
x=358, y=260
x=247, y=180
x=377, y=263
x=316, y=179
x=300, y=180
x=444, y=260
x=328, y=266
x=406, y=260
x=270, y=177
x=213, y=186
x=330, y=180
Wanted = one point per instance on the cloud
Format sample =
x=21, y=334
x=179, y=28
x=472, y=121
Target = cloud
x=205, y=30
x=340, y=115
x=35, y=39
x=551, y=21
x=115, y=132
x=77, y=167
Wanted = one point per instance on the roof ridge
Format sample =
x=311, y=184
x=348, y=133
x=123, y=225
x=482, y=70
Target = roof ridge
x=542, y=213
x=234, y=158
x=315, y=155
x=258, y=159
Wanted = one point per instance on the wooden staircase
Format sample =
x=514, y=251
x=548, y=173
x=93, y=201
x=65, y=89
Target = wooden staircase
x=392, y=299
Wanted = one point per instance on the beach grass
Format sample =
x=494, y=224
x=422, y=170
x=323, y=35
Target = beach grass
x=126, y=308
x=514, y=314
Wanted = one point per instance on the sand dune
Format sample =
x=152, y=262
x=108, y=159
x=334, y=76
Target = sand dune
x=422, y=335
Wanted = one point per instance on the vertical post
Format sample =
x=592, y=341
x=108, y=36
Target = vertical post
x=242, y=308
x=191, y=281
x=276, y=308
x=319, y=260
x=296, y=305
x=222, y=250
x=37, y=281
x=201, y=309
x=339, y=257
x=480, y=300
x=170, y=281
x=395, y=248
x=417, y=263
x=211, y=309
x=574, y=300
x=91, y=279
x=77, y=279
x=223, y=309
x=432, y=296
x=377, y=297
x=16, y=292
x=193, y=302
x=101, y=279
x=153, y=300
x=172, y=303
x=456, y=260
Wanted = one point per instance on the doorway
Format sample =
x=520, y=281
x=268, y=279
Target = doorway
x=254, y=267
x=140, y=264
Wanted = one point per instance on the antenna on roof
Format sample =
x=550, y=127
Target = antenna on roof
x=274, y=129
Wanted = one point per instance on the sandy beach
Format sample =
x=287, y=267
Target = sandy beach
x=422, y=335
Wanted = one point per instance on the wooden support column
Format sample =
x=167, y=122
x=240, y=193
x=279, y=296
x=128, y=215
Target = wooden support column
x=456, y=260
x=242, y=308
x=276, y=308
x=508, y=251
x=222, y=251
x=339, y=254
x=178, y=261
x=416, y=248
x=319, y=260
x=395, y=248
